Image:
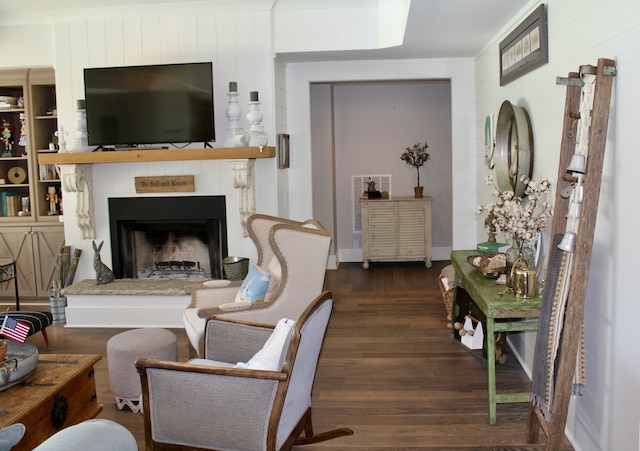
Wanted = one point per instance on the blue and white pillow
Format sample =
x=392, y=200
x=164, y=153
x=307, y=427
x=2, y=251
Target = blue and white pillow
x=255, y=286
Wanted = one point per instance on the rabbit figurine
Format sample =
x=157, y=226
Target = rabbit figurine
x=103, y=272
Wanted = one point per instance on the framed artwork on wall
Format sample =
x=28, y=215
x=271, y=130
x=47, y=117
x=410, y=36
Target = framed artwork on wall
x=283, y=151
x=526, y=48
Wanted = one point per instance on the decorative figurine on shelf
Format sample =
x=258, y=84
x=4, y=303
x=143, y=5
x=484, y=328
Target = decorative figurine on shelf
x=52, y=198
x=104, y=274
x=22, y=141
x=7, y=138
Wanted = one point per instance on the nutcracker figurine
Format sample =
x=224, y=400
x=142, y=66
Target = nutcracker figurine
x=52, y=197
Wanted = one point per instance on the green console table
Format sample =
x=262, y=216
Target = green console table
x=504, y=313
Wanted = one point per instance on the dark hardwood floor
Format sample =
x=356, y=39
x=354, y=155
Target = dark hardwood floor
x=388, y=369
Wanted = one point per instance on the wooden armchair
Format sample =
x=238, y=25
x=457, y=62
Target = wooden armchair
x=216, y=405
x=293, y=253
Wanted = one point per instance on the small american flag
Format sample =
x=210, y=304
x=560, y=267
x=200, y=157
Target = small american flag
x=14, y=330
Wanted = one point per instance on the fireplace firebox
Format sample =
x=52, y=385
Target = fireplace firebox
x=168, y=237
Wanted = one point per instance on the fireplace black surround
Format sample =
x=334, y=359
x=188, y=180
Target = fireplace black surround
x=199, y=218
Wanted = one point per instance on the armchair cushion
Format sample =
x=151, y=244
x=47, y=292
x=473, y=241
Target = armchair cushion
x=271, y=356
x=233, y=306
x=208, y=362
x=255, y=286
x=216, y=283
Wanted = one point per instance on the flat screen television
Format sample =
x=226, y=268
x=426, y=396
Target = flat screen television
x=138, y=105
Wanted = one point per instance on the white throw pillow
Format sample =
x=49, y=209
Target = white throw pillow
x=268, y=358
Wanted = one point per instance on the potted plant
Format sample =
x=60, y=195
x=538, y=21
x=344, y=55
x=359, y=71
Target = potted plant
x=372, y=193
x=416, y=156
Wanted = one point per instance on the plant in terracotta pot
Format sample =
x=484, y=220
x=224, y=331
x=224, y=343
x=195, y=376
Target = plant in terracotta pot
x=416, y=156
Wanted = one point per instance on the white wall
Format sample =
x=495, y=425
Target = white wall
x=606, y=416
x=323, y=177
x=232, y=39
x=362, y=129
x=27, y=45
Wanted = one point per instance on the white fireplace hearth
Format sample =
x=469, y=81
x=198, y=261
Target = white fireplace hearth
x=128, y=303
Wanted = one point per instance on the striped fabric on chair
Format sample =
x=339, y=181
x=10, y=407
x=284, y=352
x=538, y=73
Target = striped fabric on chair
x=38, y=321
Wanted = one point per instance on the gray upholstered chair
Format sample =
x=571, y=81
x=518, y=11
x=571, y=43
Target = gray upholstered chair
x=215, y=404
x=293, y=253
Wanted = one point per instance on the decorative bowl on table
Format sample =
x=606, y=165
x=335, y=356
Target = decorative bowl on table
x=490, y=265
x=19, y=363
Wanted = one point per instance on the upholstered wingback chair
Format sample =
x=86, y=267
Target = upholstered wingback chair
x=221, y=404
x=294, y=254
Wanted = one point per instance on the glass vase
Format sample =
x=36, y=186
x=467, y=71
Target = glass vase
x=519, y=249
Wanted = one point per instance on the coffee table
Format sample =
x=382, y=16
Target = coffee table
x=61, y=392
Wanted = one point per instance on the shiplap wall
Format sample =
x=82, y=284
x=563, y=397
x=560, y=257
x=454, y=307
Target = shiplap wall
x=232, y=40
x=606, y=416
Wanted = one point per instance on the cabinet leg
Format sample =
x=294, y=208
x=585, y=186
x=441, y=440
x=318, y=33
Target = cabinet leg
x=427, y=262
x=365, y=264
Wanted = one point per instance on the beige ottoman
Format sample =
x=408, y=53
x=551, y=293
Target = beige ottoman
x=124, y=349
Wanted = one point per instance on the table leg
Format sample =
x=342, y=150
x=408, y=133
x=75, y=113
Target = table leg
x=491, y=369
x=15, y=284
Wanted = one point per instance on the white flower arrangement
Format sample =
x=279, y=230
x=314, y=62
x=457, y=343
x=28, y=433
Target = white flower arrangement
x=519, y=219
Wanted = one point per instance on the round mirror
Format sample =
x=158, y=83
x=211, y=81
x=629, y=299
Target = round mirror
x=514, y=148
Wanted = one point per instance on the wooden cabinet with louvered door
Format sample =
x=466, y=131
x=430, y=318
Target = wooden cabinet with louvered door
x=396, y=229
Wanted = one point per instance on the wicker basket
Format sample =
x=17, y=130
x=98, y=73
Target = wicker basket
x=235, y=268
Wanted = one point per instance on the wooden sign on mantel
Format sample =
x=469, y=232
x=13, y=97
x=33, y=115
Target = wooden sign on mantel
x=166, y=184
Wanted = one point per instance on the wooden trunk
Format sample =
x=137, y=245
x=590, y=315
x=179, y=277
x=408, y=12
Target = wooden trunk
x=60, y=393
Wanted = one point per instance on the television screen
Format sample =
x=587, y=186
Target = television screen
x=167, y=103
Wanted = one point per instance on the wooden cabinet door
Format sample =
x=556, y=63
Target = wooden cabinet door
x=382, y=230
x=16, y=243
x=35, y=250
x=411, y=236
x=46, y=245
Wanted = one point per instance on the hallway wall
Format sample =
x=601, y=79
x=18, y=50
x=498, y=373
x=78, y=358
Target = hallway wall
x=370, y=124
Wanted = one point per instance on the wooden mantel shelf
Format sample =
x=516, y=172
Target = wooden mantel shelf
x=140, y=156
x=76, y=170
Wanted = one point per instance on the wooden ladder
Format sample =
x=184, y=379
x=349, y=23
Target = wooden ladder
x=574, y=317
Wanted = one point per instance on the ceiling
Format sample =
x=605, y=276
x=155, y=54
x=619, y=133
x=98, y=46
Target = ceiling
x=435, y=28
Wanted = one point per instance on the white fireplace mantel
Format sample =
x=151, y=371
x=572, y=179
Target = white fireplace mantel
x=76, y=174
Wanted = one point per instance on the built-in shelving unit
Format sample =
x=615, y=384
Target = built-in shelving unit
x=30, y=232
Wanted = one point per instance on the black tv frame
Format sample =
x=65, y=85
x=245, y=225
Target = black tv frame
x=139, y=100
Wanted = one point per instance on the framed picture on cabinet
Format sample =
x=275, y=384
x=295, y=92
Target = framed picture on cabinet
x=526, y=48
